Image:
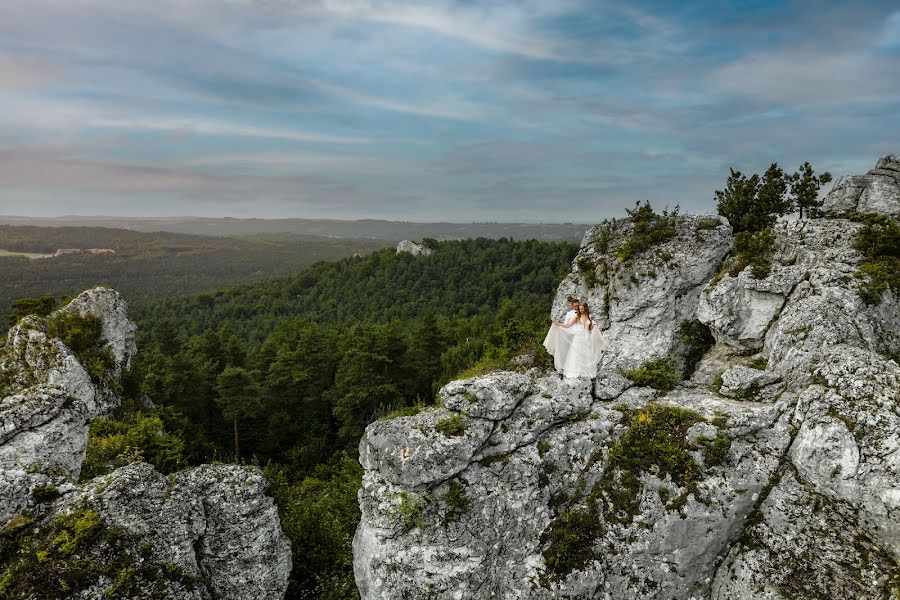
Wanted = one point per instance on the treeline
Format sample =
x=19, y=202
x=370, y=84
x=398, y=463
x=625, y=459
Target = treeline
x=465, y=277
x=295, y=395
x=153, y=265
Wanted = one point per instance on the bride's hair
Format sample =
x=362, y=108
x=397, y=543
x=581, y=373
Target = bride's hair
x=583, y=309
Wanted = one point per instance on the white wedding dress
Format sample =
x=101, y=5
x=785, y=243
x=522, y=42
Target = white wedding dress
x=576, y=350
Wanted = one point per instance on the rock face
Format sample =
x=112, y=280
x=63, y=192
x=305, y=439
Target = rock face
x=414, y=248
x=206, y=533
x=876, y=191
x=640, y=302
x=772, y=473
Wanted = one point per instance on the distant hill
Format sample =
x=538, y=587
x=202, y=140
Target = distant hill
x=152, y=265
x=363, y=229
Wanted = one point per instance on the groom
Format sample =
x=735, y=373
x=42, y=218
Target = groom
x=573, y=303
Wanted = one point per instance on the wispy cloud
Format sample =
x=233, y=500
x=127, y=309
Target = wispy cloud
x=445, y=109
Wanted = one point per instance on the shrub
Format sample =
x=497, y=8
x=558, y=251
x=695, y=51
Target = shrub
x=568, y=543
x=587, y=268
x=457, y=502
x=83, y=334
x=451, y=426
x=659, y=374
x=753, y=249
x=879, y=242
x=411, y=508
x=131, y=436
x=656, y=439
x=649, y=228
x=697, y=339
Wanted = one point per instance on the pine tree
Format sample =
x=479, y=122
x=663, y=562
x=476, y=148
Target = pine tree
x=238, y=399
x=805, y=190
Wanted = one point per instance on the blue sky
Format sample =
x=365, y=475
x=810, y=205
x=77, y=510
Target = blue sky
x=530, y=110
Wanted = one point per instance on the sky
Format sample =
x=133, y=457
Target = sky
x=459, y=110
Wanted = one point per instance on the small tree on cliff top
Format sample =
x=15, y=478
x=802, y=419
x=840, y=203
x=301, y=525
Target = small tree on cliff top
x=805, y=190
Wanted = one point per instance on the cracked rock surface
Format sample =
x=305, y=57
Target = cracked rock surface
x=788, y=485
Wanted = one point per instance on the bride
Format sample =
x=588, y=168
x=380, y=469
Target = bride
x=576, y=345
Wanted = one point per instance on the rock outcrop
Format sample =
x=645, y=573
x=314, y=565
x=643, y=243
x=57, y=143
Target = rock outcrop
x=772, y=472
x=414, y=248
x=877, y=191
x=206, y=533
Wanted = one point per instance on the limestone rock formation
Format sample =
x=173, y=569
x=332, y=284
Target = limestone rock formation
x=414, y=248
x=877, y=191
x=640, y=302
x=773, y=472
x=206, y=533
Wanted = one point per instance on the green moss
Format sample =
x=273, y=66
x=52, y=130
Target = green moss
x=717, y=382
x=697, y=339
x=457, y=502
x=542, y=448
x=759, y=363
x=716, y=450
x=649, y=229
x=706, y=223
x=659, y=374
x=44, y=492
x=72, y=553
x=588, y=269
x=451, y=426
x=568, y=543
x=656, y=439
x=410, y=511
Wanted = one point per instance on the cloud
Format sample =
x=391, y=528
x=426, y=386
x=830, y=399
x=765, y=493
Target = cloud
x=206, y=127
x=19, y=73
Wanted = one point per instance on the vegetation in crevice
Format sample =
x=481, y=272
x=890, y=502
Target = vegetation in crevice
x=697, y=340
x=879, y=242
x=451, y=426
x=656, y=442
x=456, y=501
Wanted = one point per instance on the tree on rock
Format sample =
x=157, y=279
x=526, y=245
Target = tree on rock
x=805, y=190
x=754, y=203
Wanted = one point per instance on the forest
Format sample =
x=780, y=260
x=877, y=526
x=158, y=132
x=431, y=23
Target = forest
x=287, y=372
x=153, y=265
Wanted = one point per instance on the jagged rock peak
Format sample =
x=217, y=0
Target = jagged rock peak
x=772, y=472
x=414, y=248
x=208, y=533
x=878, y=191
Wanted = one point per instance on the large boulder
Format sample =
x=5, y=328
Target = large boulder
x=877, y=191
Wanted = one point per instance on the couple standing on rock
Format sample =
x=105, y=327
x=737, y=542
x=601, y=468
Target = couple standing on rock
x=575, y=343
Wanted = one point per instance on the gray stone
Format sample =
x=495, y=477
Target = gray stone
x=878, y=191
x=414, y=248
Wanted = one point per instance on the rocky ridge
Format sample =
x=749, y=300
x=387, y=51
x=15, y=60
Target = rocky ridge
x=206, y=533
x=772, y=472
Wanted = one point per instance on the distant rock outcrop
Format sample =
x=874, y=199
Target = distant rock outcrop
x=772, y=473
x=877, y=191
x=206, y=533
x=414, y=248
